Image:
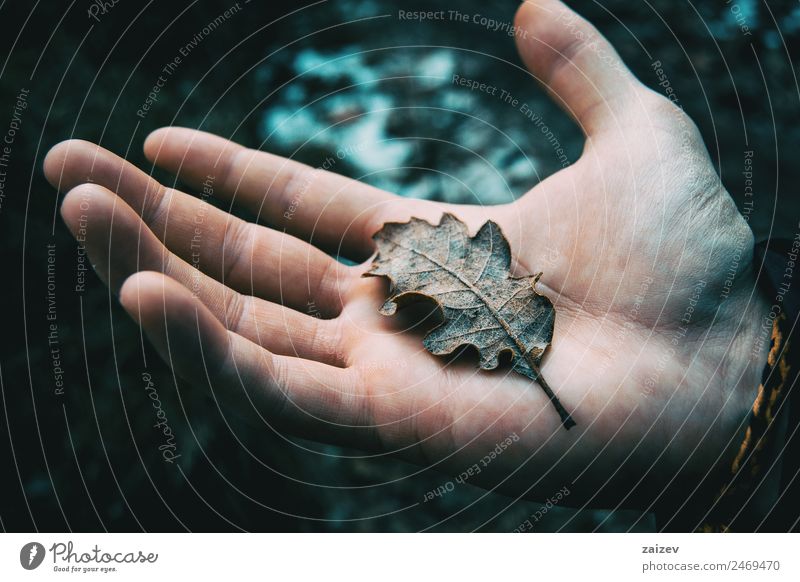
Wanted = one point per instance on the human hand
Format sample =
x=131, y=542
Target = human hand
x=653, y=345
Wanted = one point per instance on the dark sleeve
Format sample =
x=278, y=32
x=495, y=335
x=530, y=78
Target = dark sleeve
x=777, y=263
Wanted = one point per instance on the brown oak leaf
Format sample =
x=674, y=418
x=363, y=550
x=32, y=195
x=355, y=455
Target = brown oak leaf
x=469, y=278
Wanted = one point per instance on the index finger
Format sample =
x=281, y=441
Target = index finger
x=329, y=210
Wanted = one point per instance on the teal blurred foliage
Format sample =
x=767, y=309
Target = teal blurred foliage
x=346, y=80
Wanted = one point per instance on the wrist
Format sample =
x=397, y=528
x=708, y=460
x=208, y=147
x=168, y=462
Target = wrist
x=735, y=363
x=755, y=347
x=750, y=487
x=748, y=483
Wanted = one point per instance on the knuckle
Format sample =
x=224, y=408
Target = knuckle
x=155, y=205
x=332, y=285
x=298, y=182
x=241, y=156
x=277, y=372
x=565, y=58
x=234, y=247
x=329, y=341
x=237, y=307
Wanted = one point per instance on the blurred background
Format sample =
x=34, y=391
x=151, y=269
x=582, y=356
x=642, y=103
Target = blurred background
x=343, y=79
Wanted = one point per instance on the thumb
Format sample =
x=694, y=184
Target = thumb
x=578, y=66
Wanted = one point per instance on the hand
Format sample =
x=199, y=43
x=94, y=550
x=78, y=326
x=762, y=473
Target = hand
x=645, y=257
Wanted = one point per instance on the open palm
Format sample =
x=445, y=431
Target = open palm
x=644, y=255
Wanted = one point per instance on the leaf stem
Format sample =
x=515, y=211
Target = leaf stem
x=566, y=417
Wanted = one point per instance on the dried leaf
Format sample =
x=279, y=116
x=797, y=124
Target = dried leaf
x=470, y=281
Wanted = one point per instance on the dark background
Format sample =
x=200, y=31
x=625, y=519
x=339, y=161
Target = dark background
x=89, y=459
